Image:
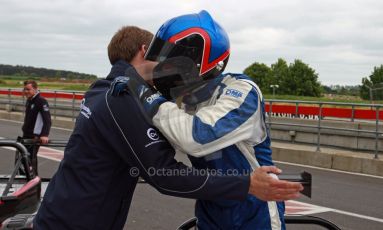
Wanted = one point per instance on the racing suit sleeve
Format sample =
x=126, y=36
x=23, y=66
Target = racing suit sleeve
x=236, y=116
x=151, y=156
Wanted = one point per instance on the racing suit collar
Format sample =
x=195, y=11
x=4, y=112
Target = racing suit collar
x=118, y=69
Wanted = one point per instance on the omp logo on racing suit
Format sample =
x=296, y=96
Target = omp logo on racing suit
x=153, y=135
x=152, y=98
x=234, y=93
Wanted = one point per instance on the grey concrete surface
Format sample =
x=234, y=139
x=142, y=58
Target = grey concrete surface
x=358, y=135
x=359, y=195
x=331, y=158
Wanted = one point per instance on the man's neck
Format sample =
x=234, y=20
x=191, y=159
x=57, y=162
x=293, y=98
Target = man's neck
x=32, y=97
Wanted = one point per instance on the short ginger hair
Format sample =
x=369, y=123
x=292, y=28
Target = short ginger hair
x=126, y=42
x=32, y=82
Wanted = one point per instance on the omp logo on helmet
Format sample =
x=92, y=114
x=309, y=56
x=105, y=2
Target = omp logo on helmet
x=152, y=134
x=152, y=98
x=234, y=93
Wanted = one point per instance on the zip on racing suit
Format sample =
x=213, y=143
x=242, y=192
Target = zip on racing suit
x=224, y=129
x=111, y=145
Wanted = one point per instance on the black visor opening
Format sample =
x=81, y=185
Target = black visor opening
x=191, y=47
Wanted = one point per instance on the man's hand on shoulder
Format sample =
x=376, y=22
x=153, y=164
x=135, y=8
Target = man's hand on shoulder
x=148, y=96
x=119, y=85
x=268, y=188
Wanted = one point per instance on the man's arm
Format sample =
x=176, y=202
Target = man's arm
x=236, y=116
x=46, y=117
x=152, y=157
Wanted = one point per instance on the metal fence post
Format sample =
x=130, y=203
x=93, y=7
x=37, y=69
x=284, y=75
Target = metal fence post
x=55, y=104
x=319, y=126
x=73, y=100
x=9, y=107
x=24, y=103
x=377, y=132
x=9, y=98
x=352, y=113
x=296, y=109
x=270, y=114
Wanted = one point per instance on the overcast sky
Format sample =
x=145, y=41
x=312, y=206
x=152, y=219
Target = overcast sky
x=341, y=39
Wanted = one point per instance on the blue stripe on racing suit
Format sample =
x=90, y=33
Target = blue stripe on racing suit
x=204, y=133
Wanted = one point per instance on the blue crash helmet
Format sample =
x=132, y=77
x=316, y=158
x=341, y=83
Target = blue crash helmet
x=196, y=36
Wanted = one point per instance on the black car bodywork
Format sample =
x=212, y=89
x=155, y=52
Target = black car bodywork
x=19, y=193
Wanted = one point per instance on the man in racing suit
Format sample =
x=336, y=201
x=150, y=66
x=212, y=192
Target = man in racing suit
x=221, y=125
x=233, y=138
x=112, y=144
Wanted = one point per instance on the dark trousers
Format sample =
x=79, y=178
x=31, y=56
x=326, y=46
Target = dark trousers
x=32, y=150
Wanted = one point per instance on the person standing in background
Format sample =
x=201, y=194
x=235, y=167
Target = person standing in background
x=37, y=120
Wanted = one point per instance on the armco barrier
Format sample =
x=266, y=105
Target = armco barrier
x=62, y=103
x=345, y=125
x=322, y=112
x=76, y=95
x=349, y=111
x=278, y=107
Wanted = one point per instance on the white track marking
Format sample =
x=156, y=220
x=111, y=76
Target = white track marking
x=358, y=215
x=331, y=170
x=315, y=209
x=53, y=127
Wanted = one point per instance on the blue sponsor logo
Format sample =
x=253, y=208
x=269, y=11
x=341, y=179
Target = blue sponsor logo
x=233, y=93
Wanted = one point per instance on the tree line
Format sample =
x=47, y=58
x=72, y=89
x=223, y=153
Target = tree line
x=299, y=79
x=37, y=73
x=296, y=78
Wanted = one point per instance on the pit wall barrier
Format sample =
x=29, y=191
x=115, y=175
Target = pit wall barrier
x=345, y=125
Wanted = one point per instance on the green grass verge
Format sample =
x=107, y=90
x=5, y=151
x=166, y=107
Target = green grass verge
x=5, y=82
x=17, y=82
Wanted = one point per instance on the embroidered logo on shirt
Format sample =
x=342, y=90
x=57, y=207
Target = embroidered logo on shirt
x=45, y=108
x=153, y=135
x=152, y=98
x=84, y=110
x=234, y=93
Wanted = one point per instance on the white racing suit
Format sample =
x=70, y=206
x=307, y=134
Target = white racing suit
x=223, y=129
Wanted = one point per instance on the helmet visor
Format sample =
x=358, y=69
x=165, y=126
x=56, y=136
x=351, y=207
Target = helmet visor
x=160, y=50
x=176, y=76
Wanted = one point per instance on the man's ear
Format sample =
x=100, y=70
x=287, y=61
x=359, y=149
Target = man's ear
x=139, y=58
x=143, y=50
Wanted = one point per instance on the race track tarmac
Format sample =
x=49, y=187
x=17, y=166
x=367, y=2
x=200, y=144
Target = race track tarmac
x=351, y=201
